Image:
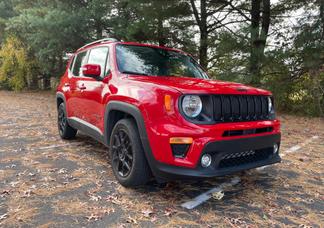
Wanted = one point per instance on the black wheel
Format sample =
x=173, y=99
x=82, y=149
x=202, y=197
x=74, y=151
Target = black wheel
x=65, y=130
x=127, y=156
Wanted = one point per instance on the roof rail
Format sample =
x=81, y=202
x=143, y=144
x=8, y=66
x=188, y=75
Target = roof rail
x=100, y=41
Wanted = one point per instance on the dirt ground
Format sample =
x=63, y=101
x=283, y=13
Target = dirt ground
x=47, y=182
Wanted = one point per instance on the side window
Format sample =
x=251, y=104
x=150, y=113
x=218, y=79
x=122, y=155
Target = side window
x=99, y=56
x=107, y=70
x=71, y=63
x=78, y=63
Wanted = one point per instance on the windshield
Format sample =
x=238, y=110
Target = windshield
x=143, y=60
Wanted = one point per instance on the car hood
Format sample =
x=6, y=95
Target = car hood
x=187, y=85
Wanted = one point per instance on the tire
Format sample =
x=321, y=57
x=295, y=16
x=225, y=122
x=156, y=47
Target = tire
x=128, y=160
x=65, y=130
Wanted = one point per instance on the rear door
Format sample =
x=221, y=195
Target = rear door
x=74, y=100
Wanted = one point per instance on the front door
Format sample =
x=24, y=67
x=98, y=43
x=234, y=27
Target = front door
x=92, y=89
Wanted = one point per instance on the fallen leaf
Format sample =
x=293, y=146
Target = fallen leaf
x=13, y=166
x=169, y=211
x=153, y=219
x=108, y=211
x=62, y=171
x=304, y=226
x=27, y=193
x=4, y=193
x=52, y=170
x=4, y=216
x=131, y=220
x=113, y=199
x=147, y=212
x=46, y=179
x=95, y=198
x=236, y=221
x=14, y=183
x=93, y=217
x=21, y=173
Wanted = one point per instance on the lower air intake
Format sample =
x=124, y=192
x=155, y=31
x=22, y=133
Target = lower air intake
x=246, y=157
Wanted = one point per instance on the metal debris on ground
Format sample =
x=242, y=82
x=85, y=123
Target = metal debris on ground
x=216, y=192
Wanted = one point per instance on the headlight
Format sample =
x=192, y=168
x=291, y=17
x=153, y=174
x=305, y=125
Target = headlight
x=270, y=105
x=191, y=105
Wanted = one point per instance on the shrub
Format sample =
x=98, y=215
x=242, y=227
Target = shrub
x=16, y=67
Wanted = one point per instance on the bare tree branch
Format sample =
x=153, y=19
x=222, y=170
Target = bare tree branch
x=195, y=11
x=239, y=11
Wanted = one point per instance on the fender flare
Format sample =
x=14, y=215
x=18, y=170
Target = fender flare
x=128, y=109
x=60, y=95
x=137, y=115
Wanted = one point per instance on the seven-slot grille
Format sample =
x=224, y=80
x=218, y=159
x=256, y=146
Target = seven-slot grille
x=236, y=108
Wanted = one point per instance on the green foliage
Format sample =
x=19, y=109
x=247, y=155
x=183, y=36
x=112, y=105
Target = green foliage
x=303, y=95
x=50, y=33
x=16, y=67
x=6, y=12
x=230, y=59
x=151, y=21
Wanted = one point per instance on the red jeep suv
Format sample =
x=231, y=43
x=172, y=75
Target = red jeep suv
x=161, y=116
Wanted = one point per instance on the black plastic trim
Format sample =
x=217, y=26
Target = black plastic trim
x=250, y=131
x=219, y=149
x=60, y=95
x=86, y=128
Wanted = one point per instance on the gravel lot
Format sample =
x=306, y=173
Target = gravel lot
x=47, y=182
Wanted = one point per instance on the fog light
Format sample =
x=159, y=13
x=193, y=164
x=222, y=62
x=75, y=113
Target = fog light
x=206, y=160
x=275, y=148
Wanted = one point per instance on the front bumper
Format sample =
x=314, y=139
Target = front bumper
x=229, y=156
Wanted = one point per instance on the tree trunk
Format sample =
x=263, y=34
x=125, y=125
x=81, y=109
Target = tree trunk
x=322, y=17
x=32, y=83
x=320, y=95
x=44, y=82
x=98, y=29
x=61, y=65
x=203, y=35
x=202, y=24
x=255, y=27
x=258, y=38
x=160, y=32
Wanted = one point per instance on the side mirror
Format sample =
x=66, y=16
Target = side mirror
x=91, y=70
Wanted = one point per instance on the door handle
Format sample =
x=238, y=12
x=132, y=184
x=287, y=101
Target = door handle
x=82, y=87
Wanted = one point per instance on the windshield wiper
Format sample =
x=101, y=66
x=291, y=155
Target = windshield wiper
x=133, y=72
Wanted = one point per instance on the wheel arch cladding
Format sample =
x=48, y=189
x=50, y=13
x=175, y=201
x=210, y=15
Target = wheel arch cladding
x=118, y=107
x=60, y=98
x=116, y=110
